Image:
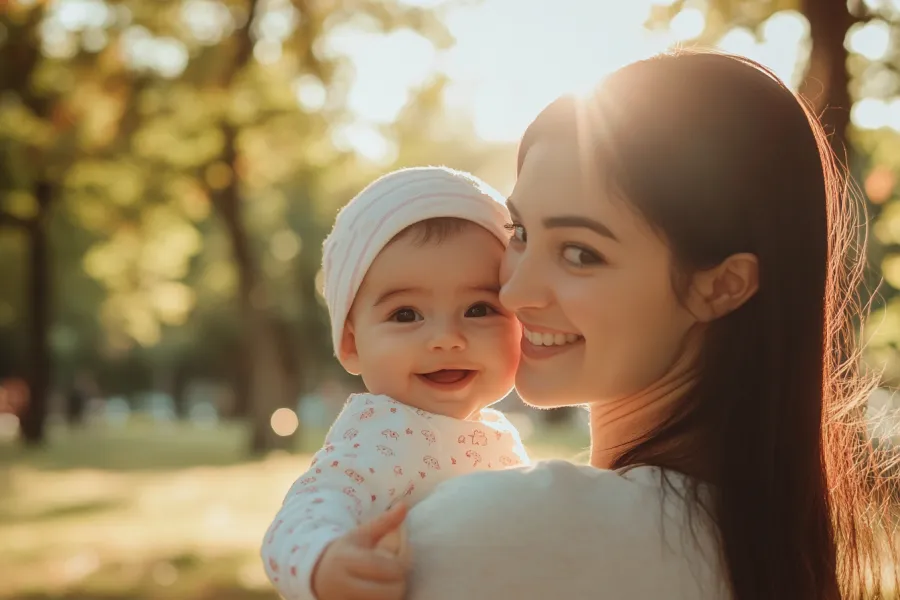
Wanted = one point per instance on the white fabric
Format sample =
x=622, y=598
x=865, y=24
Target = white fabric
x=377, y=452
x=385, y=208
x=562, y=531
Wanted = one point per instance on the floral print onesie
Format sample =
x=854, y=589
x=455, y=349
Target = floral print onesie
x=377, y=452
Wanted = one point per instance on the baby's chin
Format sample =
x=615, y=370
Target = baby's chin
x=460, y=405
x=481, y=400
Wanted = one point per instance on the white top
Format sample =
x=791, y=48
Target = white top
x=559, y=531
x=377, y=452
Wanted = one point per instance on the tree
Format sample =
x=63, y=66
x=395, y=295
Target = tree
x=235, y=104
x=223, y=129
x=826, y=82
x=64, y=130
x=27, y=170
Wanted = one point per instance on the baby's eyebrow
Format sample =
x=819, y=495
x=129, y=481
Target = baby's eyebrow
x=387, y=295
x=491, y=288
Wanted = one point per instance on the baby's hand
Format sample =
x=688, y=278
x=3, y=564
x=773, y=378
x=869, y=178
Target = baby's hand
x=359, y=566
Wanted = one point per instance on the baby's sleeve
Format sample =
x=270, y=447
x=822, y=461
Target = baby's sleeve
x=363, y=468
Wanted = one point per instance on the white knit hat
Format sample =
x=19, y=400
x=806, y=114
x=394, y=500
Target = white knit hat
x=386, y=207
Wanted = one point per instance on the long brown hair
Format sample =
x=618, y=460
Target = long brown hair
x=718, y=155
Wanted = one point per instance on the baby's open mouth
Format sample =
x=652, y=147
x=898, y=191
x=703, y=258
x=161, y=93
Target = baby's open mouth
x=447, y=376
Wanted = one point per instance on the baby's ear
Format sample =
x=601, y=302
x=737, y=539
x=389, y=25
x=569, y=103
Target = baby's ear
x=348, y=354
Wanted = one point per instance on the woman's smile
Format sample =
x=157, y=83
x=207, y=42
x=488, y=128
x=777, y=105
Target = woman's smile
x=540, y=342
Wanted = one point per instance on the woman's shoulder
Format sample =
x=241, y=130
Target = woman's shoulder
x=596, y=530
x=542, y=480
x=555, y=488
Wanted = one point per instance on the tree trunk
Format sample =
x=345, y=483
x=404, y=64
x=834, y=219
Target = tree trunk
x=228, y=203
x=240, y=409
x=35, y=416
x=270, y=389
x=261, y=385
x=261, y=378
x=826, y=83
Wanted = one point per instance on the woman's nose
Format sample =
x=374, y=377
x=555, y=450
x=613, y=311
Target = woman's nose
x=447, y=335
x=523, y=283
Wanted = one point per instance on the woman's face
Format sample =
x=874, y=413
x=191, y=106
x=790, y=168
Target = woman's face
x=591, y=283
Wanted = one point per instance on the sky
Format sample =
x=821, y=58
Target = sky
x=511, y=57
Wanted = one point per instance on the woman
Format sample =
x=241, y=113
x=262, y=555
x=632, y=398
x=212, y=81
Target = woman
x=686, y=224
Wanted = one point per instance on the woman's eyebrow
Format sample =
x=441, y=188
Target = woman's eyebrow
x=569, y=221
x=579, y=221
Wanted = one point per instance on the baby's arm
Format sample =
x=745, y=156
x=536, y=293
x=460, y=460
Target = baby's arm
x=354, y=478
x=358, y=566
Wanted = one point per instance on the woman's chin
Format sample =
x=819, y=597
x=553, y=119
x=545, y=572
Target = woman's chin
x=539, y=390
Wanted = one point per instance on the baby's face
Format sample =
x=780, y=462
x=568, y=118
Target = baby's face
x=427, y=329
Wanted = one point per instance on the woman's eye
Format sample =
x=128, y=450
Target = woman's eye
x=479, y=310
x=406, y=315
x=517, y=232
x=581, y=257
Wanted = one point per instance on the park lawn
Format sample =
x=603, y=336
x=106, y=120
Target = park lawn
x=150, y=513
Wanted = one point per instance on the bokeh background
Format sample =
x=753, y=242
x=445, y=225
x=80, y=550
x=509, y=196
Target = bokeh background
x=168, y=171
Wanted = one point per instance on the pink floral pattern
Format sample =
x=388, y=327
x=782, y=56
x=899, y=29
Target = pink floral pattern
x=382, y=451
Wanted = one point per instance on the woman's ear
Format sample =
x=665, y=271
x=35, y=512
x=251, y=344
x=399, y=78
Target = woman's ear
x=726, y=287
x=348, y=355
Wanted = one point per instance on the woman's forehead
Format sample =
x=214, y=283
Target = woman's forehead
x=559, y=179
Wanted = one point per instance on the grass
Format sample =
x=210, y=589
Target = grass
x=146, y=513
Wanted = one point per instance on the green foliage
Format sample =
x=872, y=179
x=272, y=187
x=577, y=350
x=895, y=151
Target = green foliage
x=723, y=15
x=128, y=113
x=126, y=109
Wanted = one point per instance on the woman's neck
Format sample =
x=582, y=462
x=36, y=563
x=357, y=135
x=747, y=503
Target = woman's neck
x=617, y=425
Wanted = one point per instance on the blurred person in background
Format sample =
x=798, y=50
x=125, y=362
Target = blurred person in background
x=81, y=391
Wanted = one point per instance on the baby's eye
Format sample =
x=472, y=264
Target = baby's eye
x=406, y=315
x=481, y=309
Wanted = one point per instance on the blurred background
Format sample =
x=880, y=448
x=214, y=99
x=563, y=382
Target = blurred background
x=168, y=171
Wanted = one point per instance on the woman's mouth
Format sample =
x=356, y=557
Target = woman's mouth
x=448, y=379
x=550, y=339
x=544, y=344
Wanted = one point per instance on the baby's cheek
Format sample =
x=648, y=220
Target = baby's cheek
x=385, y=368
x=377, y=381
x=512, y=349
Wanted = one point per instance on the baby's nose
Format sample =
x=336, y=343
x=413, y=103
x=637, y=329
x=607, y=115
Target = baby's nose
x=447, y=336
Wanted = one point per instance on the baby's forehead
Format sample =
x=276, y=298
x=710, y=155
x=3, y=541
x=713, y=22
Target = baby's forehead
x=436, y=230
x=460, y=263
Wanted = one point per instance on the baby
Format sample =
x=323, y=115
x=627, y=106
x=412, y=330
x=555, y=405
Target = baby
x=411, y=282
